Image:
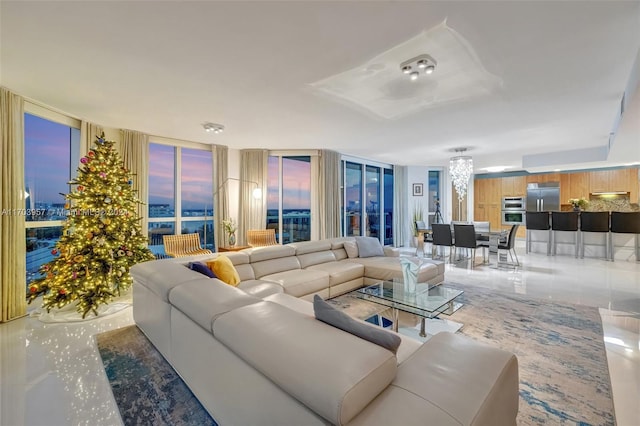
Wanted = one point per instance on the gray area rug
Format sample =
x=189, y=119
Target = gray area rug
x=564, y=376
x=146, y=388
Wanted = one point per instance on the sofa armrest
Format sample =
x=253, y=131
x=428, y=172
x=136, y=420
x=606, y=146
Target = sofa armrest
x=391, y=251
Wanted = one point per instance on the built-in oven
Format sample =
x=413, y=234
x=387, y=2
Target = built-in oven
x=514, y=203
x=514, y=217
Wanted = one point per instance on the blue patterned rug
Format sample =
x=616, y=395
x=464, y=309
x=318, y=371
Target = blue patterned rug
x=147, y=389
x=564, y=376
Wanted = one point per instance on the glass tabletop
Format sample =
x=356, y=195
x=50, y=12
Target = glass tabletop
x=426, y=301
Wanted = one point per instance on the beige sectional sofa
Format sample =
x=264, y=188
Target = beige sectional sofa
x=255, y=354
x=317, y=267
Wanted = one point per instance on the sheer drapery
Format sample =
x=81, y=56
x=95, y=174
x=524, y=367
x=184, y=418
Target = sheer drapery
x=134, y=150
x=400, y=201
x=329, y=195
x=13, y=269
x=252, y=211
x=221, y=198
x=88, y=133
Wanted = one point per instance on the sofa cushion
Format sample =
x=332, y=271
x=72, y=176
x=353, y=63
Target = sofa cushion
x=273, y=266
x=224, y=269
x=202, y=268
x=261, y=288
x=206, y=299
x=333, y=373
x=340, y=272
x=161, y=276
x=351, y=248
x=330, y=315
x=304, y=247
x=300, y=282
x=388, y=268
x=270, y=252
x=315, y=258
x=369, y=247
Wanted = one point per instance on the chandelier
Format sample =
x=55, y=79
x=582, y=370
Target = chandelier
x=461, y=169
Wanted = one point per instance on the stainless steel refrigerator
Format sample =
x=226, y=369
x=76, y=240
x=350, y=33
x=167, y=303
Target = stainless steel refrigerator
x=543, y=196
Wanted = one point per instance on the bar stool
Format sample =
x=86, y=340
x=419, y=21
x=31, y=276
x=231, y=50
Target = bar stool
x=538, y=221
x=625, y=223
x=565, y=222
x=595, y=222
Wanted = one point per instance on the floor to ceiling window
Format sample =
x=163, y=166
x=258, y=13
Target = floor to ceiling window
x=48, y=148
x=368, y=200
x=180, y=194
x=289, y=197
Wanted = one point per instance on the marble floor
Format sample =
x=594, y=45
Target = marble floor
x=51, y=373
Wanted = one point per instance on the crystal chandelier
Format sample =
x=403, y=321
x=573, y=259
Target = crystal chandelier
x=461, y=169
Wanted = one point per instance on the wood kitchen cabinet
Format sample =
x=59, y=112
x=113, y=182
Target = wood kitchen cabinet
x=514, y=186
x=623, y=180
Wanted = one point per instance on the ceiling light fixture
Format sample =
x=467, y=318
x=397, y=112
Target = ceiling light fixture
x=213, y=127
x=461, y=169
x=423, y=62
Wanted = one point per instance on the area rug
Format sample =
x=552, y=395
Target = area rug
x=564, y=376
x=146, y=388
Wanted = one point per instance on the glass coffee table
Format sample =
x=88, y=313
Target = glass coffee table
x=427, y=302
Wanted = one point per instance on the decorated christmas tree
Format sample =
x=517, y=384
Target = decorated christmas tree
x=101, y=238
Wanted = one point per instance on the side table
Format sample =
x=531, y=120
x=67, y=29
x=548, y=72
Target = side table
x=234, y=248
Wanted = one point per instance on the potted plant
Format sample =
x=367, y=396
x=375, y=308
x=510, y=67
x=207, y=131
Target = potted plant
x=230, y=228
x=417, y=216
x=578, y=203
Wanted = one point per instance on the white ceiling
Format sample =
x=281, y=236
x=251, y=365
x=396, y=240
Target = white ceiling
x=165, y=68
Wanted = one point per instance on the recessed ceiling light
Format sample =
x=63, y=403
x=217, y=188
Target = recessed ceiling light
x=406, y=69
x=421, y=62
x=414, y=75
x=429, y=69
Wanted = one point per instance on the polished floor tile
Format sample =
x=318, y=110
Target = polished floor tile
x=51, y=373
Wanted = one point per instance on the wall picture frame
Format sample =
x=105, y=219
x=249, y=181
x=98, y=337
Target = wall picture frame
x=418, y=189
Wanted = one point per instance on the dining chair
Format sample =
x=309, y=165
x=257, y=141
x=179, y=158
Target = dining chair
x=510, y=244
x=442, y=237
x=465, y=237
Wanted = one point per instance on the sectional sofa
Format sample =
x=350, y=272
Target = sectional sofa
x=255, y=354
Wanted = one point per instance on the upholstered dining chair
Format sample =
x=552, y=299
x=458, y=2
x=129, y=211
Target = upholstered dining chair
x=465, y=237
x=442, y=237
x=510, y=244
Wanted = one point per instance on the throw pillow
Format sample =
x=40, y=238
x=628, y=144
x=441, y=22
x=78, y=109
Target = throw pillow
x=224, y=269
x=332, y=316
x=351, y=248
x=369, y=247
x=202, y=268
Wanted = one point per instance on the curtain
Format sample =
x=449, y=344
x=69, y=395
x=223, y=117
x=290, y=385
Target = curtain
x=221, y=195
x=252, y=211
x=88, y=133
x=13, y=269
x=134, y=150
x=329, y=195
x=400, y=231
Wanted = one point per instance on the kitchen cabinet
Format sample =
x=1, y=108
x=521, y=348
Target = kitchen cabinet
x=578, y=186
x=624, y=180
x=514, y=186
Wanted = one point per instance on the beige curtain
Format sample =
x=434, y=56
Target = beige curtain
x=88, y=133
x=400, y=202
x=252, y=211
x=221, y=195
x=329, y=196
x=13, y=268
x=134, y=150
